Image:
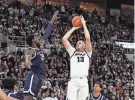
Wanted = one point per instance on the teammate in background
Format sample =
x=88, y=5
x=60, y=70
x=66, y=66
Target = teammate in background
x=96, y=94
x=35, y=58
x=8, y=87
x=3, y=96
x=79, y=64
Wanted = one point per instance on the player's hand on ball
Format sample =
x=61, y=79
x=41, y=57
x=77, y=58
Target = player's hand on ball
x=76, y=28
x=83, y=20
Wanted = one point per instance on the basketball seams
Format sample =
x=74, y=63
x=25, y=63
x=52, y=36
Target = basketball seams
x=75, y=22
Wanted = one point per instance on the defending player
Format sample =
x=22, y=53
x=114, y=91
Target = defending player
x=79, y=64
x=35, y=57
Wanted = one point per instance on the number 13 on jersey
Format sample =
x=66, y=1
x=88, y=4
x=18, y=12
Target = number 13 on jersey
x=80, y=59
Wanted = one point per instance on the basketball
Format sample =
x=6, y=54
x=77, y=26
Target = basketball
x=76, y=21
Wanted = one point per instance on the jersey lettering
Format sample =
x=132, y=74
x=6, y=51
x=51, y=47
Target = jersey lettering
x=42, y=56
x=80, y=59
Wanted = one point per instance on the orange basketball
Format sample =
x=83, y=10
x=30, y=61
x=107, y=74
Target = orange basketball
x=76, y=21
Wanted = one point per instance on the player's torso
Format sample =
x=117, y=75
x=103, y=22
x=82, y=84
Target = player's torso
x=100, y=97
x=79, y=64
x=38, y=65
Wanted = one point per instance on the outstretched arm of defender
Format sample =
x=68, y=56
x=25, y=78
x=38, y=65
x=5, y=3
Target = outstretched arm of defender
x=87, y=35
x=49, y=26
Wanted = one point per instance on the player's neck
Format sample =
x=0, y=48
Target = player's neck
x=80, y=50
x=96, y=94
x=33, y=46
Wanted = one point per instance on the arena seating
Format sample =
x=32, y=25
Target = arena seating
x=109, y=66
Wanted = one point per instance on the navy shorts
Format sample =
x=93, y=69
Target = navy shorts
x=33, y=83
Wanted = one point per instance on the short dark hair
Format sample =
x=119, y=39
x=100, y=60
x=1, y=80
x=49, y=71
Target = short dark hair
x=29, y=39
x=98, y=84
x=52, y=91
x=43, y=91
x=9, y=83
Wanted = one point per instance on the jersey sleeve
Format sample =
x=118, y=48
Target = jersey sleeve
x=47, y=31
x=89, y=54
x=71, y=50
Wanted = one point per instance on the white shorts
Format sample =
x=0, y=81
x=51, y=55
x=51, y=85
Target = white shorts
x=78, y=89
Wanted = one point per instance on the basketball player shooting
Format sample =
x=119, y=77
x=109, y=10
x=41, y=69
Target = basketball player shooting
x=79, y=64
x=35, y=58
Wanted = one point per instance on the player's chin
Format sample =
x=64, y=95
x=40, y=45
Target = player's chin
x=38, y=45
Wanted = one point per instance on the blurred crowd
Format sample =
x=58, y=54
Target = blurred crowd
x=112, y=69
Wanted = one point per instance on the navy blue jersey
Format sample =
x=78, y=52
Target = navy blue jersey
x=100, y=97
x=16, y=95
x=38, y=64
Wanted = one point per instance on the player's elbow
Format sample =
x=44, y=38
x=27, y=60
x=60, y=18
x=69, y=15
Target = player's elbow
x=64, y=39
x=87, y=38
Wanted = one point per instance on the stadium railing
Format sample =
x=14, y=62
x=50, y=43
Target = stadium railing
x=19, y=41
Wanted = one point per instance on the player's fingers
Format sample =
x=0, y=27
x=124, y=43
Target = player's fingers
x=57, y=12
x=81, y=16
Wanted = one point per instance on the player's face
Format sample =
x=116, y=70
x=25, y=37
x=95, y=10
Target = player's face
x=80, y=46
x=97, y=88
x=37, y=39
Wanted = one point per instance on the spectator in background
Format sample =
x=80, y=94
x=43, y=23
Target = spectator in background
x=19, y=52
x=127, y=97
x=48, y=91
x=53, y=96
x=43, y=94
x=4, y=45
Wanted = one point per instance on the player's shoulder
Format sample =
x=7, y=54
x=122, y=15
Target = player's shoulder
x=30, y=51
x=71, y=50
x=89, y=53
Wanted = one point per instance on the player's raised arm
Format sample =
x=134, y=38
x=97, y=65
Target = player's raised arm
x=66, y=43
x=49, y=26
x=87, y=35
x=3, y=96
x=65, y=38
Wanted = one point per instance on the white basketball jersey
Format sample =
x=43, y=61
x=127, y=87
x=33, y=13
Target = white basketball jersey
x=79, y=62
